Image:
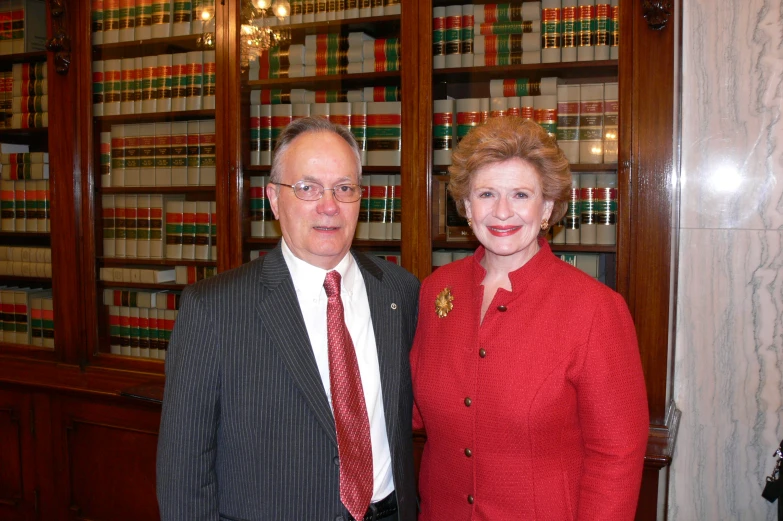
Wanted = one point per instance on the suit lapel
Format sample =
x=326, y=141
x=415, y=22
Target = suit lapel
x=288, y=333
x=386, y=323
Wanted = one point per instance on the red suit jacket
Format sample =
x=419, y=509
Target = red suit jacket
x=537, y=413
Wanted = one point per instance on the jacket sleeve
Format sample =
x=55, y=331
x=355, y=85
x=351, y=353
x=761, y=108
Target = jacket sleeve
x=613, y=415
x=187, y=446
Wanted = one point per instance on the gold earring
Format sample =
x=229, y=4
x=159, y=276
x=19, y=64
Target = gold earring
x=470, y=222
x=545, y=224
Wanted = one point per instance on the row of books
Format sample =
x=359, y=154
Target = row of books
x=138, y=226
x=140, y=332
x=164, y=299
x=328, y=54
x=179, y=153
x=286, y=96
x=149, y=275
x=26, y=316
x=592, y=211
x=393, y=257
x=309, y=11
x=25, y=165
x=24, y=206
x=22, y=26
x=148, y=84
x=377, y=127
x=24, y=261
x=583, y=118
x=128, y=20
x=25, y=99
x=550, y=31
x=380, y=209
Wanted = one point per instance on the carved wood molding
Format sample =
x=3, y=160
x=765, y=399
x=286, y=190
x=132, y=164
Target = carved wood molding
x=59, y=43
x=657, y=13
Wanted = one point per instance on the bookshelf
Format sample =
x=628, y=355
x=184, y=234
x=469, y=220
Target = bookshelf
x=80, y=381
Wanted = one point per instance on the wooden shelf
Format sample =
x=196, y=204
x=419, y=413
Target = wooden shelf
x=6, y=60
x=140, y=285
x=24, y=136
x=336, y=81
x=15, y=279
x=153, y=46
x=370, y=25
x=154, y=117
x=124, y=261
x=366, y=170
x=596, y=70
x=157, y=189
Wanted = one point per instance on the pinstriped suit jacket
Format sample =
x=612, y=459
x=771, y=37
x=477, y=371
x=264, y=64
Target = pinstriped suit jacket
x=247, y=432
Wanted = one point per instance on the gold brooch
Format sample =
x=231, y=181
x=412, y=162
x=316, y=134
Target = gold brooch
x=443, y=303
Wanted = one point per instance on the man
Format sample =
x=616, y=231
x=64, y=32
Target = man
x=288, y=391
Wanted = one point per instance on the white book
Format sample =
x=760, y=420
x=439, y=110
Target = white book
x=178, y=175
x=194, y=153
x=255, y=133
x=365, y=10
x=377, y=10
x=569, y=54
x=202, y=230
x=143, y=226
x=138, y=64
x=189, y=230
x=396, y=223
x=127, y=85
x=379, y=206
x=568, y=121
x=132, y=151
x=143, y=20
x=444, y=128
x=149, y=65
x=181, y=18
x=611, y=122
x=144, y=324
x=135, y=348
x=108, y=225
x=383, y=135
x=131, y=226
x=119, y=226
x=208, y=80
x=163, y=170
x=127, y=20
x=179, y=81
x=174, y=215
x=591, y=119
x=585, y=53
x=265, y=122
x=161, y=18
x=98, y=87
x=213, y=230
x=118, y=155
x=153, y=321
x=146, y=175
x=393, y=9
x=207, y=151
x=258, y=216
x=157, y=226
x=163, y=77
x=105, y=144
x=111, y=21
x=124, y=314
x=194, y=99
x=112, y=94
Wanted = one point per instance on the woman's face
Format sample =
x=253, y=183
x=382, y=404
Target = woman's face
x=507, y=206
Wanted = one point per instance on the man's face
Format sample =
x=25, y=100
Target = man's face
x=318, y=232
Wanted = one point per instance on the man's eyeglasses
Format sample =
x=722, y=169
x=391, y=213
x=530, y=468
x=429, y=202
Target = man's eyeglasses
x=311, y=191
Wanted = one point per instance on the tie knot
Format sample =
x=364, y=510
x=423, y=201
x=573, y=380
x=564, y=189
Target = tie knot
x=332, y=284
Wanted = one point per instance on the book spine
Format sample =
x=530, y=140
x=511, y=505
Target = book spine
x=213, y=225
x=178, y=174
x=442, y=131
x=148, y=83
x=112, y=87
x=157, y=226
x=181, y=17
x=202, y=231
x=147, y=154
x=257, y=206
x=573, y=214
x=174, y=222
x=111, y=21
x=194, y=153
x=591, y=123
x=359, y=127
x=255, y=134
x=161, y=19
x=588, y=223
x=131, y=226
x=194, y=77
x=163, y=168
x=602, y=30
x=189, y=230
x=614, y=50
x=107, y=214
x=568, y=121
x=384, y=132
x=569, y=24
x=127, y=16
x=134, y=333
x=379, y=206
x=48, y=321
x=611, y=122
x=439, y=37
x=265, y=125
x=144, y=331
x=585, y=31
x=605, y=207
x=143, y=19
x=551, y=39
x=20, y=206
x=164, y=80
x=179, y=82
x=468, y=116
x=143, y=226
x=207, y=151
x=96, y=22
x=546, y=113
x=208, y=80
x=97, y=87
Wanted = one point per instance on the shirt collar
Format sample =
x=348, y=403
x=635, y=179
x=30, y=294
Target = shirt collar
x=309, y=280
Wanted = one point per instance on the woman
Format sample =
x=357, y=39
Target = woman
x=526, y=371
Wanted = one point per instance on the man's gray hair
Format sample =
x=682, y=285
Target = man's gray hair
x=310, y=124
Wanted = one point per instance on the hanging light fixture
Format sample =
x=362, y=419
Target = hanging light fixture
x=259, y=28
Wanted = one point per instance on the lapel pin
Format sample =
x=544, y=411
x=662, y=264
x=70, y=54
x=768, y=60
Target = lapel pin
x=394, y=306
x=443, y=303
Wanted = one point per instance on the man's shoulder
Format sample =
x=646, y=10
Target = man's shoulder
x=395, y=272
x=230, y=280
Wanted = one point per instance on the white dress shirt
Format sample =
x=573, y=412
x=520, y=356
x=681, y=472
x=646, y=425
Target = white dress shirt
x=309, y=285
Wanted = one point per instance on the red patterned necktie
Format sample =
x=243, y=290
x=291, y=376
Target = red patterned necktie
x=350, y=409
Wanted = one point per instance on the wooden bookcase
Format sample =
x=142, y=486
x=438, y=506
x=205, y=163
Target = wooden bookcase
x=64, y=408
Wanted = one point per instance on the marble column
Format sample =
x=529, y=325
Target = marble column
x=729, y=345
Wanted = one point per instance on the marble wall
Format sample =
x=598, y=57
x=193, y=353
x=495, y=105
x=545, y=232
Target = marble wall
x=729, y=344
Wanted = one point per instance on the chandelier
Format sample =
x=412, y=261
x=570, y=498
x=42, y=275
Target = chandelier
x=259, y=30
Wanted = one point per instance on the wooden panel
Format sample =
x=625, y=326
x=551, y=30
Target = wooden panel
x=106, y=467
x=16, y=465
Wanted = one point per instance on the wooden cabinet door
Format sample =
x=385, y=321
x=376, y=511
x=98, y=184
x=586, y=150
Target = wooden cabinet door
x=105, y=459
x=17, y=468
